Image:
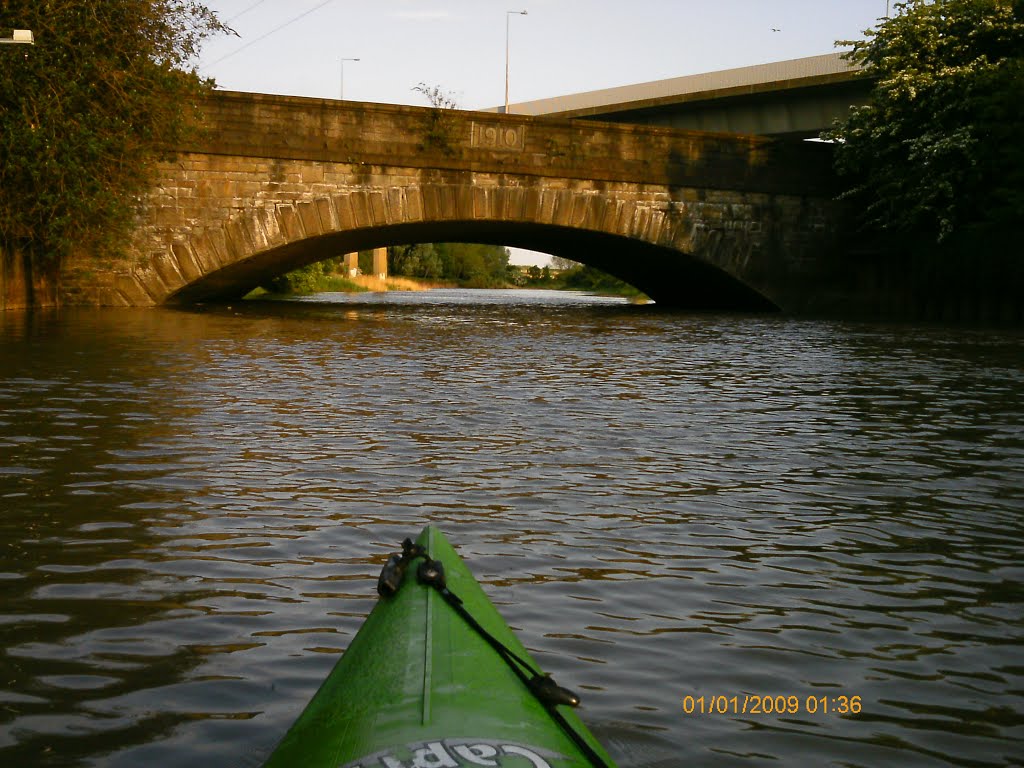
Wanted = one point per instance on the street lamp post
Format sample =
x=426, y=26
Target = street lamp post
x=22, y=36
x=343, y=77
x=508, y=18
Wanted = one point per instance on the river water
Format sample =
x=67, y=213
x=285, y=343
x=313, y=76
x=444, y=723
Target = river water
x=196, y=504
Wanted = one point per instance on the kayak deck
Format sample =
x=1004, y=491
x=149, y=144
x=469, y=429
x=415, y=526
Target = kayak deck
x=420, y=686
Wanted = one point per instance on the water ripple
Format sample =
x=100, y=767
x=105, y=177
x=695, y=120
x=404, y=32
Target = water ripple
x=196, y=506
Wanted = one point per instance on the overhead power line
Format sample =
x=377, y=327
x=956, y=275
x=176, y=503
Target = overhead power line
x=242, y=13
x=271, y=32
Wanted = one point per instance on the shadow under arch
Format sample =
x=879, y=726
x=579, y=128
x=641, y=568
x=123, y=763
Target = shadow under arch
x=670, y=277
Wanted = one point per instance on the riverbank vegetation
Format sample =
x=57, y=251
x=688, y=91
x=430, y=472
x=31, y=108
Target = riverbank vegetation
x=935, y=159
x=430, y=265
x=331, y=276
x=465, y=265
x=86, y=112
x=468, y=265
x=320, y=277
x=570, y=276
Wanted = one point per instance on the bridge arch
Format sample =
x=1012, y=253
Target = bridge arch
x=692, y=219
x=647, y=246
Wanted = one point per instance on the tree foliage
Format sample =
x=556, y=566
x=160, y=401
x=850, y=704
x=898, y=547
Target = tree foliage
x=326, y=275
x=420, y=260
x=86, y=112
x=937, y=151
x=469, y=264
x=582, y=277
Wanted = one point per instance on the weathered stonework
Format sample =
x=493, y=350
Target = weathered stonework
x=278, y=182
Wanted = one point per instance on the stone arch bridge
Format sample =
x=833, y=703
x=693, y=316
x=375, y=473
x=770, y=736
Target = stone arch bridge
x=693, y=219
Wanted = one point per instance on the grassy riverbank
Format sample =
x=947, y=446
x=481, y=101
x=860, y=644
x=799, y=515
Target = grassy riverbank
x=325, y=278
x=368, y=283
x=335, y=283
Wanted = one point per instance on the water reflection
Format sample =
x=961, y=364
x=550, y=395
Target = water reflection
x=196, y=504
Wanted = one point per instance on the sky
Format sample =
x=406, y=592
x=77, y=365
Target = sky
x=296, y=47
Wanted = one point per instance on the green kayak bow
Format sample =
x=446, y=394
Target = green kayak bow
x=436, y=679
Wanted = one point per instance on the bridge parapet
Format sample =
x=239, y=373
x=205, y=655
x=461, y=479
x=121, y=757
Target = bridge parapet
x=282, y=127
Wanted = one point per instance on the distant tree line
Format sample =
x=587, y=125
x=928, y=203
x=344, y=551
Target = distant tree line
x=567, y=275
x=471, y=265
x=465, y=264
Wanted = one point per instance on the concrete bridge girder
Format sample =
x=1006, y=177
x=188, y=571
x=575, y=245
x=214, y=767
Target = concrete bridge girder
x=796, y=118
x=795, y=99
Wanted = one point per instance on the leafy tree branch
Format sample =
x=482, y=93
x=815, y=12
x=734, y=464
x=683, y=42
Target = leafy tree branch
x=86, y=112
x=937, y=151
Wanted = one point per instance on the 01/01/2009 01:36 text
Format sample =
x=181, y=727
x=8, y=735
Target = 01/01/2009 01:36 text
x=757, y=704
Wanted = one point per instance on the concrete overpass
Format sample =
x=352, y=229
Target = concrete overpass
x=693, y=219
x=793, y=99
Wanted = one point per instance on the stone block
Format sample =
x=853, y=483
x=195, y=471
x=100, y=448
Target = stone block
x=610, y=216
x=515, y=203
x=655, y=227
x=239, y=245
x=205, y=252
x=309, y=217
x=290, y=225
x=431, y=202
x=414, y=204
x=378, y=210
x=327, y=215
x=343, y=210
x=679, y=234
x=462, y=197
x=624, y=221
x=165, y=264
x=311, y=174
x=562, y=209
x=188, y=263
x=449, y=204
x=481, y=203
x=131, y=292
x=580, y=207
x=596, y=212
x=528, y=206
x=360, y=208
x=638, y=227
x=395, y=200
x=217, y=237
